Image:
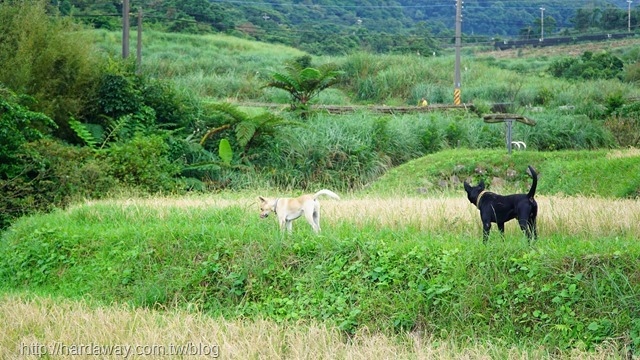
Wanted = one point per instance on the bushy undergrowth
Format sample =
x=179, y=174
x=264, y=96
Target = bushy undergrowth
x=562, y=292
x=56, y=174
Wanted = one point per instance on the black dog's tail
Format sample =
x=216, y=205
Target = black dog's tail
x=534, y=176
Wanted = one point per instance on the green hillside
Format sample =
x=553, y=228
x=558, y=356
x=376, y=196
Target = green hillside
x=604, y=173
x=331, y=27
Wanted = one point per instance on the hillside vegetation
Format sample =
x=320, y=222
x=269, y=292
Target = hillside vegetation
x=411, y=263
x=137, y=185
x=81, y=123
x=329, y=27
x=599, y=173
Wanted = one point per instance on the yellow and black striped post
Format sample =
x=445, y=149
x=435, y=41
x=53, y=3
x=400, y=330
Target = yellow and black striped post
x=456, y=96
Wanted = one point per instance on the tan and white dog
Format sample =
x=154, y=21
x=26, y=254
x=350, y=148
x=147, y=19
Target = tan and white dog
x=289, y=209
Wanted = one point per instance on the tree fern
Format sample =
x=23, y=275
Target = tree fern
x=304, y=83
x=244, y=132
x=113, y=129
x=243, y=127
x=82, y=132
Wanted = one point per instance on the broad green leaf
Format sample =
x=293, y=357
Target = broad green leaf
x=225, y=152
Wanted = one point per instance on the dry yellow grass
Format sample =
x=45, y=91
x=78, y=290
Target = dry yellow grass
x=558, y=215
x=30, y=323
x=631, y=152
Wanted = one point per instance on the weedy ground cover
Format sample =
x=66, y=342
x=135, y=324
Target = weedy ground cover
x=388, y=265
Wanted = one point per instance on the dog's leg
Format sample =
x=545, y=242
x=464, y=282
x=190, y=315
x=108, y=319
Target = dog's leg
x=534, y=231
x=533, y=221
x=289, y=226
x=311, y=211
x=486, y=229
x=527, y=227
x=316, y=215
x=310, y=216
x=485, y=216
x=316, y=219
x=501, y=228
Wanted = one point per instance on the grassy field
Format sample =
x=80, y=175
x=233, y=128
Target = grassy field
x=390, y=274
x=224, y=68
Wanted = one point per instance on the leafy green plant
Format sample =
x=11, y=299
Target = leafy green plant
x=303, y=83
x=53, y=175
x=248, y=132
x=130, y=164
x=19, y=125
x=225, y=152
x=53, y=62
x=624, y=124
x=602, y=65
x=101, y=137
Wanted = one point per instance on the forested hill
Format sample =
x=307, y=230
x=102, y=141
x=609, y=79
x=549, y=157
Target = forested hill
x=333, y=26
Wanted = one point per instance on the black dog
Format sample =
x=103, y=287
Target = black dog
x=502, y=208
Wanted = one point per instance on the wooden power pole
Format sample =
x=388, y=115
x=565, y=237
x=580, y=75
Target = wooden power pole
x=457, y=81
x=139, y=43
x=125, y=29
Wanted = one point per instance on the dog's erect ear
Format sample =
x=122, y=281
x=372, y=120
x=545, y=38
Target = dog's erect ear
x=467, y=187
x=481, y=185
x=262, y=199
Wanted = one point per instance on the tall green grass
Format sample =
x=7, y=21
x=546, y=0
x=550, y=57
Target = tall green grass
x=224, y=67
x=351, y=151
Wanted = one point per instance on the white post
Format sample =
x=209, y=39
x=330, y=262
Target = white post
x=509, y=123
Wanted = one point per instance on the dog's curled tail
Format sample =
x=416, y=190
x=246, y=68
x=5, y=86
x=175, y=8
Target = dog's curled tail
x=326, y=192
x=534, y=184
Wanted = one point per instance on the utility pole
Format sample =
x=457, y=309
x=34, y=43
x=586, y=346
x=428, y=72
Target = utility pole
x=457, y=81
x=542, y=24
x=125, y=29
x=629, y=16
x=139, y=44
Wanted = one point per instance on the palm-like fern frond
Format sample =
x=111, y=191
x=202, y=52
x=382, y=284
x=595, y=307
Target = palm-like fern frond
x=82, y=132
x=244, y=132
x=304, y=83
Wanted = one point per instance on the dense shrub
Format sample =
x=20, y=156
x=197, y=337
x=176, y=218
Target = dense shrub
x=19, y=126
x=624, y=124
x=632, y=73
x=52, y=175
x=142, y=163
x=563, y=132
x=126, y=104
x=589, y=66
